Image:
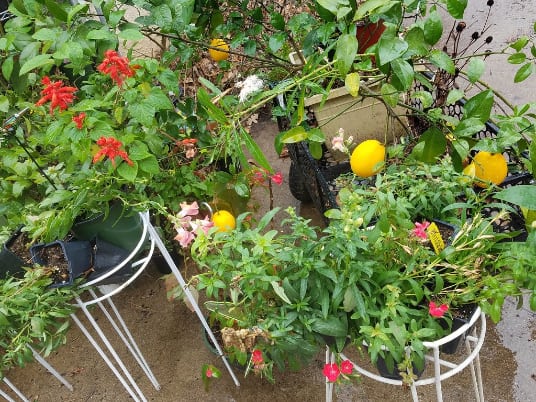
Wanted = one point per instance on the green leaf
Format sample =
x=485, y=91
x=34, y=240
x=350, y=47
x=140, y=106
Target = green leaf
x=315, y=148
x=276, y=41
x=295, y=134
x=433, y=28
x=46, y=34
x=442, y=60
x=56, y=10
x=255, y=151
x=454, y=96
x=278, y=289
x=390, y=94
x=75, y=10
x=523, y=195
x=390, y=48
x=7, y=67
x=345, y=52
x=475, y=69
x=331, y=326
x=4, y=104
x=126, y=171
x=520, y=43
x=431, y=145
x=517, y=58
x=130, y=34
x=456, y=8
x=97, y=34
x=277, y=21
x=115, y=16
x=351, y=83
x=524, y=72
x=468, y=127
x=479, y=106
x=215, y=112
x=404, y=72
x=36, y=62
x=149, y=165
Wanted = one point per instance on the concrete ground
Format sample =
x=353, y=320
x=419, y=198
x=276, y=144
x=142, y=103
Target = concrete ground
x=170, y=335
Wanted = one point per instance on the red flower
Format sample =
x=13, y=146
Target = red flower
x=277, y=178
x=208, y=372
x=256, y=357
x=331, y=371
x=110, y=148
x=420, y=229
x=116, y=67
x=79, y=120
x=347, y=367
x=437, y=311
x=56, y=93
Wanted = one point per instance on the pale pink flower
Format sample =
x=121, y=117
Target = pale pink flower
x=184, y=237
x=188, y=209
x=203, y=224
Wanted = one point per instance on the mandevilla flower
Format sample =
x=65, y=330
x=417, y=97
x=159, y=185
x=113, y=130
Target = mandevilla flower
x=420, y=229
x=256, y=356
x=347, y=367
x=58, y=95
x=116, y=67
x=79, y=120
x=437, y=311
x=277, y=178
x=110, y=148
x=331, y=371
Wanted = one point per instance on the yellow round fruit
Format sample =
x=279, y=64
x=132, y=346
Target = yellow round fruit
x=224, y=220
x=367, y=158
x=216, y=55
x=489, y=168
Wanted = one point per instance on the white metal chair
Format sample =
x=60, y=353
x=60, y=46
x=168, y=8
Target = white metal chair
x=473, y=343
x=140, y=257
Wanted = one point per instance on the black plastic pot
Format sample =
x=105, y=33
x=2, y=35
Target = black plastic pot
x=107, y=257
x=381, y=365
x=463, y=318
x=10, y=263
x=78, y=255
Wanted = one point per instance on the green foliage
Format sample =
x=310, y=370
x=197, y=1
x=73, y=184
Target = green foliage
x=32, y=315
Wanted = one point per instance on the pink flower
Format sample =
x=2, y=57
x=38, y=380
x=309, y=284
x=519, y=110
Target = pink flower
x=420, y=229
x=437, y=311
x=188, y=209
x=208, y=372
x=337, y=143
x=347, y=367
x=331, y=371
x=184, y=237
x=256, y=357
x=79, y=120
x=203, y=224
x=258, y=177
x=277, y=178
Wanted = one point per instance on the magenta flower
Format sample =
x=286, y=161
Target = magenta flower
x=420, y=229
x=277, y=178
x=347, y=367
x=437, y=311
x=256, y=357
x=331, y=371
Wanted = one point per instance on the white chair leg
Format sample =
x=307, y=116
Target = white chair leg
x=127, y=338
x=14, y=389
x=160, y=244
x=97, y=347
x=51, y=369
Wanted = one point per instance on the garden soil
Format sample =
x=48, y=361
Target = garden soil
x=170, y=335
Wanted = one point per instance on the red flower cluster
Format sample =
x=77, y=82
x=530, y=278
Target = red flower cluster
x=116, y=67
x=261, y=175
x=79, y=120
x=110, y=148
x=437, y=311
x=57, y=94
x=332, y=371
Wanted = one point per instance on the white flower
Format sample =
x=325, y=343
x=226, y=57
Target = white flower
x=249, y=86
